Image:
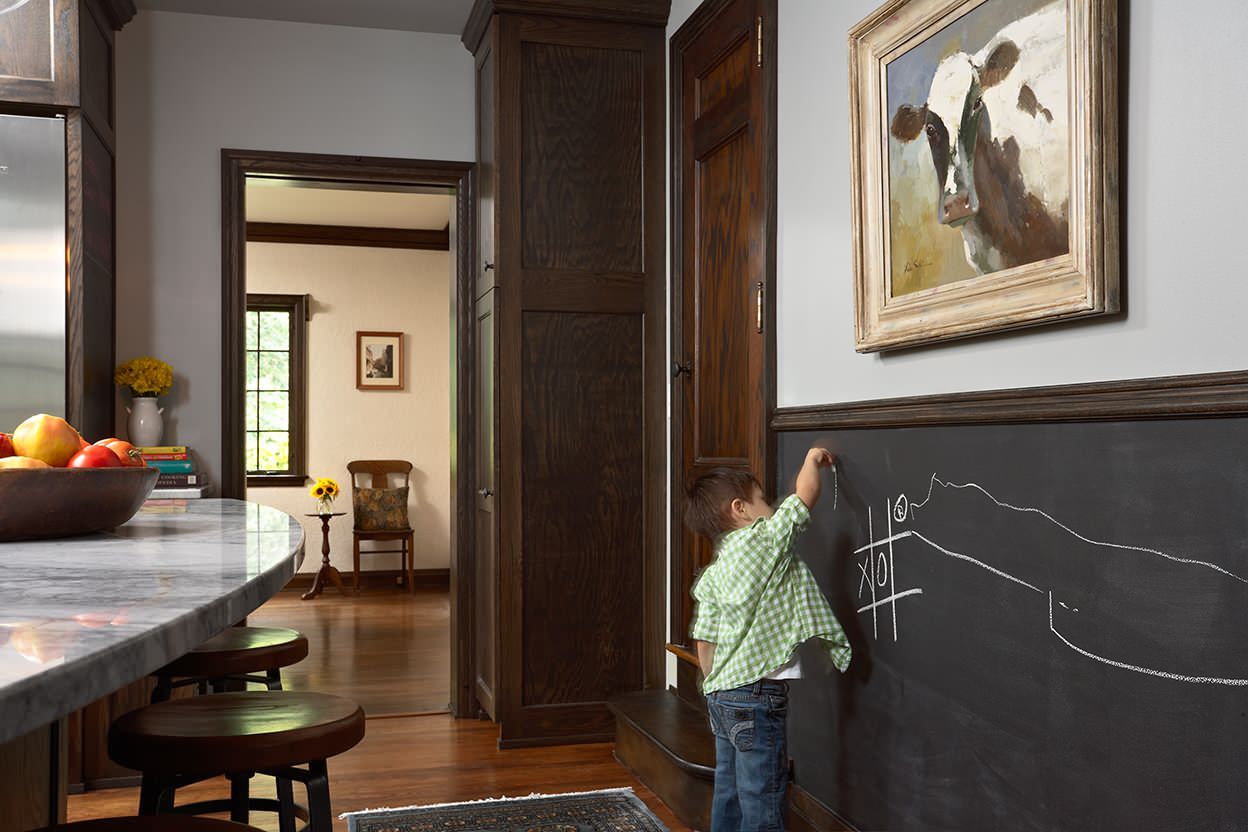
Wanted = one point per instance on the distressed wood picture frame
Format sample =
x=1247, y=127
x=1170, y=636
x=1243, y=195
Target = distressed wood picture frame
x=379, y=361
x=989, y=126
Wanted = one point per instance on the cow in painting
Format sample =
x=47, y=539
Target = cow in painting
x=998, y=129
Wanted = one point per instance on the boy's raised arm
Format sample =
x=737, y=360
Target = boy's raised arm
x=807, y=487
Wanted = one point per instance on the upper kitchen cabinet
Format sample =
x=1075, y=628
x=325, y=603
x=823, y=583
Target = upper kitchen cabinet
x=58, y=53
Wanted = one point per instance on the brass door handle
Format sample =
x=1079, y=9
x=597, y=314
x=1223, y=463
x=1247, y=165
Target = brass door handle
x=758, y=306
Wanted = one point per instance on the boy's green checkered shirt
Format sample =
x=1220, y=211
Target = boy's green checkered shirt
x=757, y=603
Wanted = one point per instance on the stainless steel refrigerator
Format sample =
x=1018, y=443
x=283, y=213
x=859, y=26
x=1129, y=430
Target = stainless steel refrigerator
x=33, y=271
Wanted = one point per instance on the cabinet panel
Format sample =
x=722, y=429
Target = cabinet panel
x=487, y=174
x=39, y=52
x=486, y=560
x=581, y=156
x=582, y=496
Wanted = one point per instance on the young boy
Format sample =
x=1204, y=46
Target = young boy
x=756, y=604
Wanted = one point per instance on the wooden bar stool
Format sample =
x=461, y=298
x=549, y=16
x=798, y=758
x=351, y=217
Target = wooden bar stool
x=164, y=823
x=237, y=735
x=240, y=654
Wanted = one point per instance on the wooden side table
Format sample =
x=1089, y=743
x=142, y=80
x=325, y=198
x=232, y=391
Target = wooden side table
x=327, y=572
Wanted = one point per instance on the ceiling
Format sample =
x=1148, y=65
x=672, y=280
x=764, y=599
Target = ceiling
x=276, y=201
x=441, y=16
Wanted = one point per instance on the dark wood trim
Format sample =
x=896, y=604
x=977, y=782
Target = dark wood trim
x=117, y=12
x=235, y=166
x=807, y=814
x=297, y=306
x=656, y=378
x=370, y=578
x=349, y=235
x=684, y=36
x=276, y=480
x=645, y=12
x=1199, y=395
x=75, y=337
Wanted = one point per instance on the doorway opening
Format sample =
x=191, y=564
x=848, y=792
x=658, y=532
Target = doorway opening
x=345, y=284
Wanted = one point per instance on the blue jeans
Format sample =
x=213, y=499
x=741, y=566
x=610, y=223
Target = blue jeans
x=751, y=757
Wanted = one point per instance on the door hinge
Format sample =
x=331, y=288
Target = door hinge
x=758, y=306
x=758, y=40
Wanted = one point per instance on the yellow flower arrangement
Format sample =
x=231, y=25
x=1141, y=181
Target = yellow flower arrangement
x=325, y=489
x=144, y=376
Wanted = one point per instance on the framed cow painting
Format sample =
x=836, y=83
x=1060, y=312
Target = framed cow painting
x=985, y=167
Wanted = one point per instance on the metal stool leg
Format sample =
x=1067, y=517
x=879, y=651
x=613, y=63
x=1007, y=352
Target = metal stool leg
x=164, y=689
x=240, y=794
x=320, y=819
x=286, y=805
x=155, y=795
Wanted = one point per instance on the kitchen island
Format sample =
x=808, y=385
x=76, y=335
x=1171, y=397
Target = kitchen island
x=82, y=617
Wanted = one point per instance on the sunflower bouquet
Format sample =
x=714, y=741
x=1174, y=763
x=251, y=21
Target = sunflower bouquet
x=325, y=490
x=144, y=376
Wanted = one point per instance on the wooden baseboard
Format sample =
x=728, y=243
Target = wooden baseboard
x=806, y=814
x=426, y=578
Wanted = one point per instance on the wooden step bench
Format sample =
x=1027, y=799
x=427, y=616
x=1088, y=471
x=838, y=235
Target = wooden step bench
x=668, y=744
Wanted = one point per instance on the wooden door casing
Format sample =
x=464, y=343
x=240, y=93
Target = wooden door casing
x=723, y=206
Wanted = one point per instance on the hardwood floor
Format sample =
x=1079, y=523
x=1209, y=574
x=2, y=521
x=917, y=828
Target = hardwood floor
x=390, y=652
x=386, y=649
x=425, y=759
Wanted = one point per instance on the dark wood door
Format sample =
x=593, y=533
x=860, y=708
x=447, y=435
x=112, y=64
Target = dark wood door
x=486, y=581
x=723, y=196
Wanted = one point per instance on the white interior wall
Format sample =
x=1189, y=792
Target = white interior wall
x=190, y=85
x=369, y=289
x=1182, y=190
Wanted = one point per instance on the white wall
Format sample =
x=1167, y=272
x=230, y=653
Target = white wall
x=190, y=85
x=390, y=290
x=1183, y=194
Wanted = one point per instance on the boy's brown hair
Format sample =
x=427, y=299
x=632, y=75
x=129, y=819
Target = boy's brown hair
x=708, y=499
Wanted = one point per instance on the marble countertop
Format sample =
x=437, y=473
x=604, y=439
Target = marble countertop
x=82, y=617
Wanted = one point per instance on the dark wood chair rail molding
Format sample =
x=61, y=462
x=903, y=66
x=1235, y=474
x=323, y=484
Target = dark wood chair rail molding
x=645, y=12
x=349, y=235
x=1202, y=395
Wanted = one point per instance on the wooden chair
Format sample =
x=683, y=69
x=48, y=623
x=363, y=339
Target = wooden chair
x=379, y=472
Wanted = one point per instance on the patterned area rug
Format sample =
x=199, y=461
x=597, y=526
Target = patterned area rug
x=614, y=810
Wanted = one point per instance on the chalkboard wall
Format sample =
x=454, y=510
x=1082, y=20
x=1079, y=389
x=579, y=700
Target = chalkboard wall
x=1059, y=636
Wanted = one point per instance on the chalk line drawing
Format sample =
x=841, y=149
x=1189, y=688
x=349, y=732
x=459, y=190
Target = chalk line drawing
x=1107, y=544
x=903, y=510
x=1165, y=674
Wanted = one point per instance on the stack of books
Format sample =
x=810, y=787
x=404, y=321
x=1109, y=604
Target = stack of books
x=178, y=482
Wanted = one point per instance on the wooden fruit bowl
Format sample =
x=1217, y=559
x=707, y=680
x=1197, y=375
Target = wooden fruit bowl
x=61, y=502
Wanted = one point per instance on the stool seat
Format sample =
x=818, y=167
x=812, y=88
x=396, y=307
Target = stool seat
x=159, y=823
x=238, y=651
x=231, y=732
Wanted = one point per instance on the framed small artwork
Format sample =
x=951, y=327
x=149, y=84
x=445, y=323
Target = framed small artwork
x=985, y=167
x=379, y=360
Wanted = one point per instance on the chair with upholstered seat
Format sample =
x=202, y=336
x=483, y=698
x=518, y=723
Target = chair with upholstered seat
x=379, y=491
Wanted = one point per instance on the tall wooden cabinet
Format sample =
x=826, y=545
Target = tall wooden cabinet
x=572, y=373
